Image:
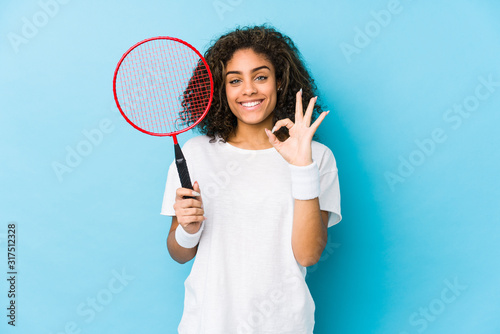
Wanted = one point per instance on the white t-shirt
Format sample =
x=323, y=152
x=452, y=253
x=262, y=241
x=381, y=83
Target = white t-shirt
x=245, y=278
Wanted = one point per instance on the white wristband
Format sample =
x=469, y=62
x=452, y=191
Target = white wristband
x=305, y=181
x=187, y=240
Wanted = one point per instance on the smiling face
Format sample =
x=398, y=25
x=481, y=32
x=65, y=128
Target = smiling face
x=250, y=83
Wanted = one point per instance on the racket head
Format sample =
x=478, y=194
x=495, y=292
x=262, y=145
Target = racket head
x=163, y=86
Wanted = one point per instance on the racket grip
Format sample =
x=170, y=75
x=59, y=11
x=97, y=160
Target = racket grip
x=182, y=168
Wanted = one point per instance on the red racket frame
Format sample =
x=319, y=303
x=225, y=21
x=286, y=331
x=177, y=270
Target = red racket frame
x=175, y=133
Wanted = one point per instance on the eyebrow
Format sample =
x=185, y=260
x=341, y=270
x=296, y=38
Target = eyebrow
x=254, y=70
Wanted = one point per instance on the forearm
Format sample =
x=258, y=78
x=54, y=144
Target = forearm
x=177, y=252
x=309, y=232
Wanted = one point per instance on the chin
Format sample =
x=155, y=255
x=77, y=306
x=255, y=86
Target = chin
x=255, y=119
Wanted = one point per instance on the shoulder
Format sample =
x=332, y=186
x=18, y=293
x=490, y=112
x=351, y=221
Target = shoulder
x=324, y=157
x=197, y=142
x=200, y=147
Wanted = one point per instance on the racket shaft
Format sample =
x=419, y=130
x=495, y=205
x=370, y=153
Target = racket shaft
x=182, y=168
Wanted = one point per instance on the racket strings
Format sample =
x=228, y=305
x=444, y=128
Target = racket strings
x=163, y=86
x=197, y=93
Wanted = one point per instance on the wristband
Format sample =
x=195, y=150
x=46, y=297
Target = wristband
x=305, y=181
x=188, y=240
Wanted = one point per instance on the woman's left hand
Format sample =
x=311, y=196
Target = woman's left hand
x=296, y=150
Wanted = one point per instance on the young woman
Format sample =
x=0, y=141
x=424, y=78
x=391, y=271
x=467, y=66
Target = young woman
x=265, y=192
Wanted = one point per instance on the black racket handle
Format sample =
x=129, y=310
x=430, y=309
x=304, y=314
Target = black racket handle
x=182, y=169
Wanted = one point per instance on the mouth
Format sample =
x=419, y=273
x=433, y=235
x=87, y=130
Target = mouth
x=251, y=104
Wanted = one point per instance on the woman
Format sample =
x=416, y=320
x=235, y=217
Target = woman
x=265, y=192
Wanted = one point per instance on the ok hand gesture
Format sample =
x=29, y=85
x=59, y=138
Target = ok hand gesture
x=296, y=150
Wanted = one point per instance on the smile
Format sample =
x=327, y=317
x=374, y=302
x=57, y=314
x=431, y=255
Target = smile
x=251, y=104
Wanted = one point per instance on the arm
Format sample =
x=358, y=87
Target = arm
x=189, y=214
x=177, y=252
x=310, y=224
x=309, y=232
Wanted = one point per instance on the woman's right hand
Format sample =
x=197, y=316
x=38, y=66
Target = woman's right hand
x=189, y=211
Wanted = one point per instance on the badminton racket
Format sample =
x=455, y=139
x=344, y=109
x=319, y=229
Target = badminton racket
x=163, y=87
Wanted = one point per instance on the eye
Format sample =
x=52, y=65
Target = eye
x=234, y=81
x=261, y=78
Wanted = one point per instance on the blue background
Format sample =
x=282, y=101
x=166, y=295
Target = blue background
x=389, y=264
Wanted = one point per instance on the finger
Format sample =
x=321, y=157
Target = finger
x=273, y=139
x=190, y=203
x=319, y=120
x=191, y=212
x=309, y=111
x=186, y=220
x=282, y=122
x=185, y=203
x=299, y=111
x=196, y=188
x=184, y=192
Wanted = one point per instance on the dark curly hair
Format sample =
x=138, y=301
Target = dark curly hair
x=291, y=76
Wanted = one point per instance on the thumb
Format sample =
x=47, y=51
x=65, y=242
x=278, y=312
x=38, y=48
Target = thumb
x=273, y=139
x=196, y=187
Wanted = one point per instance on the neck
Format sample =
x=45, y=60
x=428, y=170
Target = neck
x=251, y=137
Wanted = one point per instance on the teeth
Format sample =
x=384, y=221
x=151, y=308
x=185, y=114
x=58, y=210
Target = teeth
x=250, y=104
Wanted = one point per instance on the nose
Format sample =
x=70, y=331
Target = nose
x=249, y=87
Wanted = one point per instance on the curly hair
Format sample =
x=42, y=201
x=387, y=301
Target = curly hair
x=291, y=76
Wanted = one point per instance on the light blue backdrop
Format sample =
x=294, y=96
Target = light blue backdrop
x=414, y=89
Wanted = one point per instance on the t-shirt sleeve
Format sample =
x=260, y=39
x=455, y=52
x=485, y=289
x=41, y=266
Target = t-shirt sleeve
x=329, y=198
x=173, y=183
